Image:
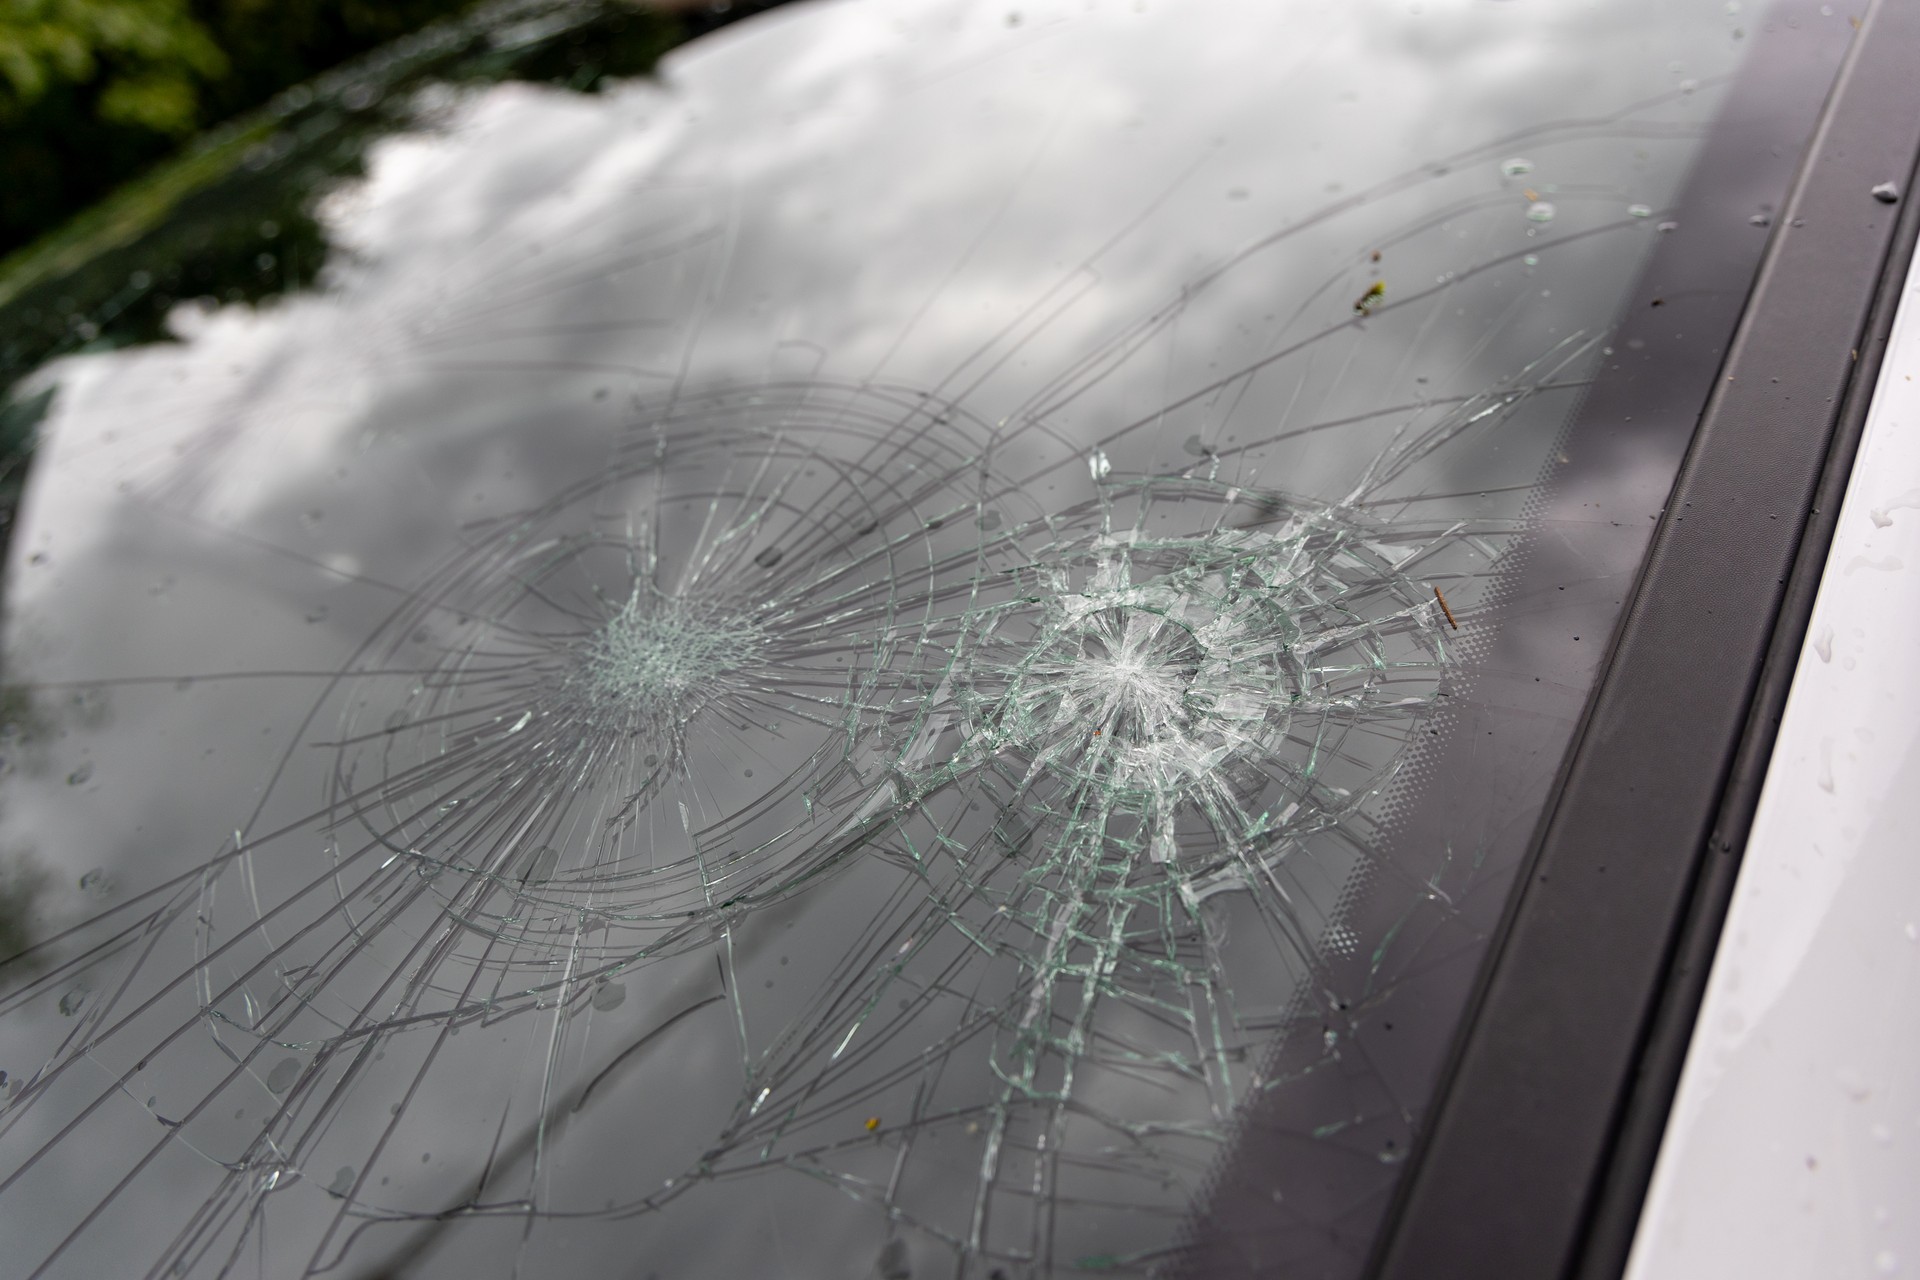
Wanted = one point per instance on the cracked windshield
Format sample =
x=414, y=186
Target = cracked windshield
x=919, y=639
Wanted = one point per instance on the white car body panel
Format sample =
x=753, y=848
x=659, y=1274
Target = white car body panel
x=1793, y=1148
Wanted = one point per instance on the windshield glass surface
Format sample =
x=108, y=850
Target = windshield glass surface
x=839, y=660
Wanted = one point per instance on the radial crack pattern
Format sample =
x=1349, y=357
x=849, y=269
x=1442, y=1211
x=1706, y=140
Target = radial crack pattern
x=782, y=767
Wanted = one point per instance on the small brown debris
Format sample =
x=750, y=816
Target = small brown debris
x=1376, y=255
x=1451, y=621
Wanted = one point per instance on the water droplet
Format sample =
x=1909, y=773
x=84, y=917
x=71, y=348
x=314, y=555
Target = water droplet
x=609, y=996
x=541, y=865
x=769, y=557
x=1532, y=259
x=80, y=776
x=72, y=1002
x=1639, y=211
x=284, y=1073
x=1886, y=193
x=892, y=1263
x=1760, y=220
x=96, y=884
x=1665, y=227
x=342, y=1181
x=1540, y=211
x=1099, y=465
x=1515, y=167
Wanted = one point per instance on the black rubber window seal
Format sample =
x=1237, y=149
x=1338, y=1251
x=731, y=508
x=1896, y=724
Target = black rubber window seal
x=1537, y=1152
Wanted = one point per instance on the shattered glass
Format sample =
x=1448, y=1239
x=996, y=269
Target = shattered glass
x=816, y=665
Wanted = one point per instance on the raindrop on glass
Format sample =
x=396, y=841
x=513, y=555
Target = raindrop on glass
x=284, y=1073
x=892, y=1263
x=541, y=865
